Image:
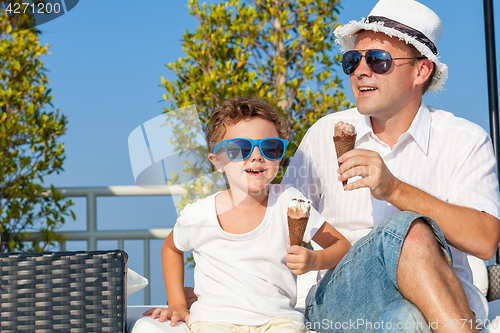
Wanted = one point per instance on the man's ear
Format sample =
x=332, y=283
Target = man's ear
x=424, y=71
x=215, y=161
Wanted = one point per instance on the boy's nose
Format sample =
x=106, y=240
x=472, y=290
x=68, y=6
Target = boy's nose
x=256, y=155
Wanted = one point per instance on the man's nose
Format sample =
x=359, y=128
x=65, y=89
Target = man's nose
x=362, y=68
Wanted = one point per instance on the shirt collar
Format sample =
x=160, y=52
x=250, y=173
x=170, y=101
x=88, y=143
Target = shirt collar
x=420, y=128
x=364, y=127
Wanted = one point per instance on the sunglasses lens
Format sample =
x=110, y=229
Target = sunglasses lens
x=379, y=61
x=272, y=149
x=350, y=61
x=239, y=149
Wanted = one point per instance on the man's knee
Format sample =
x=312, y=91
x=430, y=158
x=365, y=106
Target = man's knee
x=420, y=238
x=423, y=247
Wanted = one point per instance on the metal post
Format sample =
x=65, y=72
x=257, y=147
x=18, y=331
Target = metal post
x=91, y=220
x=147, y=272
x=491, y=67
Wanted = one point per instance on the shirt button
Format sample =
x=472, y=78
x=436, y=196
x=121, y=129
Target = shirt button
x=386, y=159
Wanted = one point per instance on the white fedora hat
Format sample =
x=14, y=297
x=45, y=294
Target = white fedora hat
x=408, y=20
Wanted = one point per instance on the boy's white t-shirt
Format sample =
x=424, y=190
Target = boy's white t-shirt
x=242, y=278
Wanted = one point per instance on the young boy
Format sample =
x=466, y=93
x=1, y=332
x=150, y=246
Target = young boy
x=244, y=272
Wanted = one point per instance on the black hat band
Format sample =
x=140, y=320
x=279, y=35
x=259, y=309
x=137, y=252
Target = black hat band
x=404, y=29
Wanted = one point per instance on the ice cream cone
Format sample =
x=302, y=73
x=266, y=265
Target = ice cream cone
x=296, y=229
x=343, y=144
x=298, y=215
x=344, y=139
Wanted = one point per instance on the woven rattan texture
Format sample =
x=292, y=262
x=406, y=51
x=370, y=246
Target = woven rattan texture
x=493, y=283
x=63, y=292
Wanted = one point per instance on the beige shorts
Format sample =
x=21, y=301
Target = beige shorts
x=278, y=325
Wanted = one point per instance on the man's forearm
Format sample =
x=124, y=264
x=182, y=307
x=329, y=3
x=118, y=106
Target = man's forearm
x=467, y=229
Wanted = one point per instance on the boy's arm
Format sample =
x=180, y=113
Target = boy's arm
x=173, y=274
x=301, y=260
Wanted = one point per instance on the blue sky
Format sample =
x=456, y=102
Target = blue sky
x=105, y=65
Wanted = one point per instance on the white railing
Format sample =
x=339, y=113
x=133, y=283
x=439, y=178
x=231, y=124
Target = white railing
x=92, y=235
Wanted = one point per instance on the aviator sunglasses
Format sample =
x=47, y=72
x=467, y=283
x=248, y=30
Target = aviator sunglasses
x=379, y=61
x=240, y=149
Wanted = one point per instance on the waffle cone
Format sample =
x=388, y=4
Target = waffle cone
x=296, y=229
x=343, y=144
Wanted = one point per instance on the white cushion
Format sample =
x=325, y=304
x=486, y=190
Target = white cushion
x=135, y=282
x=479, y=273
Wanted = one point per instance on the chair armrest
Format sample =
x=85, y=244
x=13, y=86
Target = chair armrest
x=63, y=291
x=493, y=283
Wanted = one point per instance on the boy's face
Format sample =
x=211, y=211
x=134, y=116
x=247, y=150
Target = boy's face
x=254, y=174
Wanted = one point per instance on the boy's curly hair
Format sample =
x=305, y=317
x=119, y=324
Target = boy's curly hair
x=237, y=109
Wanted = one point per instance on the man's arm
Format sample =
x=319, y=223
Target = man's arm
x=467, y=229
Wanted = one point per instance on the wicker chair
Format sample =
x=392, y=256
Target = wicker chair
x=63, y=292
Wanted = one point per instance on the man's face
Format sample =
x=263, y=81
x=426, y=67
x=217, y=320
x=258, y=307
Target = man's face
x=384, y=95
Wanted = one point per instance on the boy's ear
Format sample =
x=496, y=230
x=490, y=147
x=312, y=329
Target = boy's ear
x=215, y=161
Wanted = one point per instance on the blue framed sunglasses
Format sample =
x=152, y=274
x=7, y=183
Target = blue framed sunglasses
x=240, y=149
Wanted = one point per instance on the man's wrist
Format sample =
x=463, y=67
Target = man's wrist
x=396, y=193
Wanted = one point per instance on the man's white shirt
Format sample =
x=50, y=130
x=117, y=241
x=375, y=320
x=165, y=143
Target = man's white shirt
x=443, y=155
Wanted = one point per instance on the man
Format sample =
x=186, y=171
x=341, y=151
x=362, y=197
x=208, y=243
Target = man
x=419, y=180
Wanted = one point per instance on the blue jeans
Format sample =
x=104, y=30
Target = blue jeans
x=361, y=294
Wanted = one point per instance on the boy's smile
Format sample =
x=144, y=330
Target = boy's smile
x=256, y=171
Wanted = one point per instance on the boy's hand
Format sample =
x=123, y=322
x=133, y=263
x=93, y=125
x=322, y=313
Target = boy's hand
x=299, y=259
x=173, y=313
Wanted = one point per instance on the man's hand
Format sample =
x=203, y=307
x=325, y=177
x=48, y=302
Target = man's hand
x=173, y=313
x=370, y=166
x=299, y=259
